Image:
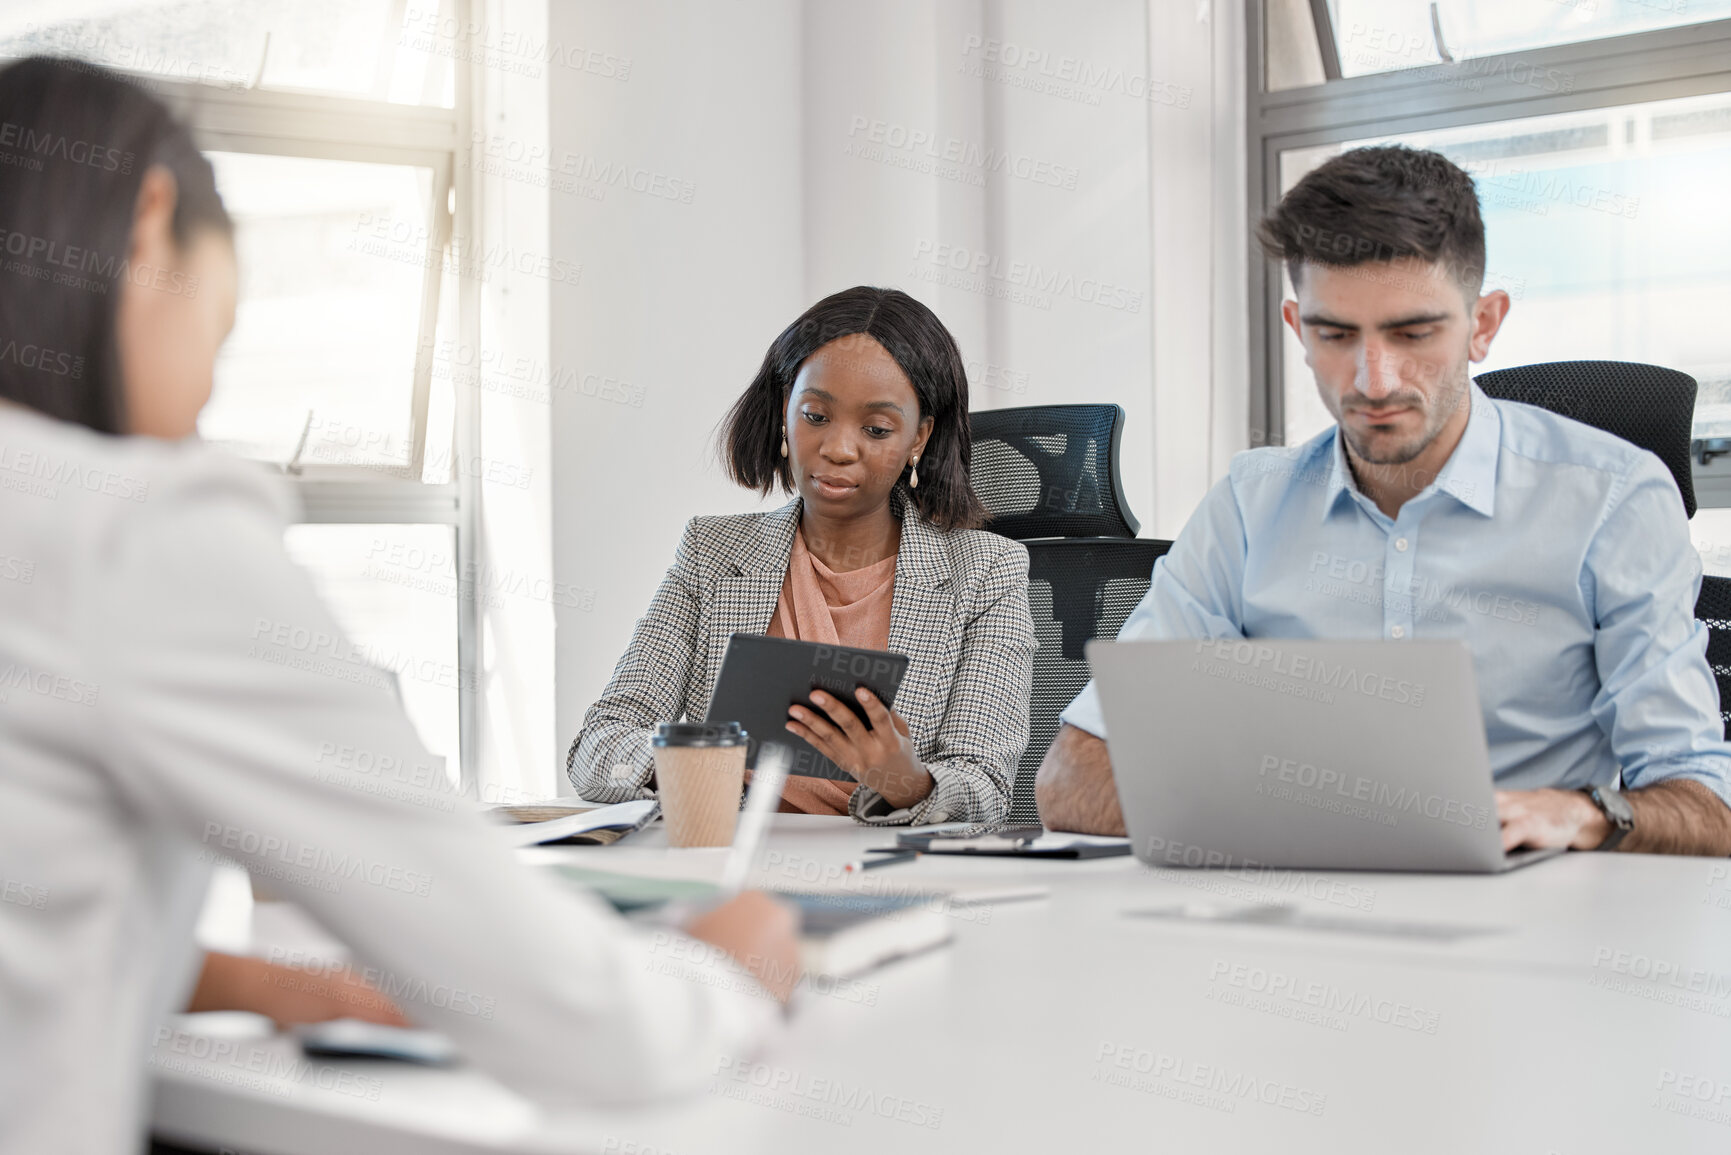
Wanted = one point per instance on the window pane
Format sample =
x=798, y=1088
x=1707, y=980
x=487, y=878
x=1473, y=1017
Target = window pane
x=1388, y=35
x=393, y=590
x=1607, y=228
x=332, y=46
x=1710, y=529
x=331, y=262
x=1292, y=58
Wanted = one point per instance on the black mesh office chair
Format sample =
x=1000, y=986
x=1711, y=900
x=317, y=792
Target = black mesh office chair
x=1049, y=475
x=1078, y=589
x=1713, y=609
x=1051, y=471
x=1646, y=404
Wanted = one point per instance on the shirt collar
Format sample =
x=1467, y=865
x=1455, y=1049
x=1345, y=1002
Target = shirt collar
x=1470, y=474
x=1340, y=483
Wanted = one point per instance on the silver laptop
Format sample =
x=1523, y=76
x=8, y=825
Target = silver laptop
x=1301, y=754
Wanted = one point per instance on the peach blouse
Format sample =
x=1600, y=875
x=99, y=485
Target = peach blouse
x=818, y=604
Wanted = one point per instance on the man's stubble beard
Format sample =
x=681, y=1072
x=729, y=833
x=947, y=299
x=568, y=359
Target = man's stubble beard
x=1444, y=408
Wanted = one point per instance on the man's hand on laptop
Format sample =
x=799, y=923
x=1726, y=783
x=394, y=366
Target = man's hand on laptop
x=1547, y=818
x=1676, y=816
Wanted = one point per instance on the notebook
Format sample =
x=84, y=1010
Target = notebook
x=601, y=826
x=540, y=811
x=842, y=933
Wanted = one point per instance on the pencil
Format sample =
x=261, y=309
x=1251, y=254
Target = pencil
x=883, y=860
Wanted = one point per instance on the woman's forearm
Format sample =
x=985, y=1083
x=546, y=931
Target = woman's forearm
x=287, y=995
x=221, y=983
x=901, y=786
x=603, y=765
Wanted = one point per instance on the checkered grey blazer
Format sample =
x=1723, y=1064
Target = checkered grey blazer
x=959, y=611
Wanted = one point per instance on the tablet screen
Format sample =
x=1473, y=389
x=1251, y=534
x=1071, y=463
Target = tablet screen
x=762, y=676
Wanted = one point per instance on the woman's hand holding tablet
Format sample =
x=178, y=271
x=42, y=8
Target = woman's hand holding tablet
x=881, y=757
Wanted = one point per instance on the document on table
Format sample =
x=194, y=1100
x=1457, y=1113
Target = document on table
x=1044, y=845
x=591, y=827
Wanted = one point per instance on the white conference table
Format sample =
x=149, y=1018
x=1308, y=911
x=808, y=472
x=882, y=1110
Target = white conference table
x=1589, y=1011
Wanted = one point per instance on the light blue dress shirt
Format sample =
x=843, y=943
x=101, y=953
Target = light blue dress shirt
x=1559, y=553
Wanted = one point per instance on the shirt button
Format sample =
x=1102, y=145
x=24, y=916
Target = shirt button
x=1398, y=632
x=1400, y=544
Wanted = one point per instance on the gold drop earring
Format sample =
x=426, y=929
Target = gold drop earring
x=784, y=441
x=914, y=473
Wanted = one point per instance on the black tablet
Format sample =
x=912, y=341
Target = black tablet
x=762, y=676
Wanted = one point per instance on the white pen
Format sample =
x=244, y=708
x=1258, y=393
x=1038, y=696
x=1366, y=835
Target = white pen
x=761, y=801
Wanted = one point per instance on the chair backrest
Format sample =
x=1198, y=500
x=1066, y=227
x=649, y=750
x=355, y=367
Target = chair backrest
x=1713, y=609
x=1646, y=404
x=1078, y=589
x=1051, y=471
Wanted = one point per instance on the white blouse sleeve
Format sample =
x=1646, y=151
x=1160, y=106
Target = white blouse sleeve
x=232, y=709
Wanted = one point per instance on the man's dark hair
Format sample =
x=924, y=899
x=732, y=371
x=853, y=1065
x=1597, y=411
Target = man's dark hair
x=79, y=139
x=750, y=439
x=1381, y=204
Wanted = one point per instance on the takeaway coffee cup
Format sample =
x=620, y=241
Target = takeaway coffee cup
x=700, y=774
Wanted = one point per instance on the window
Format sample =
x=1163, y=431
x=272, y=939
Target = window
x=337, y=47
x=1605, y=227
x=1387, y=35
x=334, y=127
x=1599, y=134
x=393, y=589
x=337, y=249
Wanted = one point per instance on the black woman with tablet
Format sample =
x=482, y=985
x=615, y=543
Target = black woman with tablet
x=860, y=410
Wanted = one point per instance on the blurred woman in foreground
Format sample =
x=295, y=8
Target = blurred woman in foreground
x=159, y=708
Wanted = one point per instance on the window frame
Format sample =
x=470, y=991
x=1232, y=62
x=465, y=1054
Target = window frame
x=265, y=123
x=1664, y=64
x=312, y=125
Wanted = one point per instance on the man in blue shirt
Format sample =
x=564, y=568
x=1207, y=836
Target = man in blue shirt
x=1558, y=552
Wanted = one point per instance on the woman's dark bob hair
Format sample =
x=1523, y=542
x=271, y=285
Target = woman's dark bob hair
x=913, y=335
x=80, y=140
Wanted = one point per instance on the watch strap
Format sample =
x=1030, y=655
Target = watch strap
x=1616, y=811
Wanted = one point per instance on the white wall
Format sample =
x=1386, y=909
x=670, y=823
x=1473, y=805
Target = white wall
x=1201, y=239
x=994, y=158
x=676, y=301
x=1032, y=245
x=877, y=118
x=514, y=579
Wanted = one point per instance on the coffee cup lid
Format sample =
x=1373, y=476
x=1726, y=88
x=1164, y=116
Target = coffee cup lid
x=699, y=734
